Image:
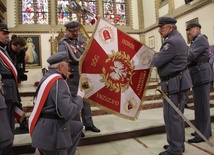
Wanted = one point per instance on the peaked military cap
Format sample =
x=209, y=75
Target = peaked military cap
x=58, y=57
x=72, y=26
x=3, y=27
x=166, y=20
x=193, y=24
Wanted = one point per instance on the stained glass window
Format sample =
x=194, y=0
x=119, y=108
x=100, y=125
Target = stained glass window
x=114, y=11
x=38, y=11
x=65, y=14
x=35, y=12
x=89, y=5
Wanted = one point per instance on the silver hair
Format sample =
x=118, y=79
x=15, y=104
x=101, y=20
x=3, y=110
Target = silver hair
x=173, y=26
x=53, y=66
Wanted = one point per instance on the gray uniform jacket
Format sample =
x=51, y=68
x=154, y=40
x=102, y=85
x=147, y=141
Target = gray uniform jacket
x=56, y=134
x=202, y=75
x=6, y=135
x=199, y=68
x=11, y=93
x=73, y=84
x=171, y=61
x=65, y=44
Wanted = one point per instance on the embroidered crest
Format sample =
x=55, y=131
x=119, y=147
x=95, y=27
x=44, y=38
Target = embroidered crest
x=145, y=57
x=106, y=34
x=118, y=73
x=130, y=105
x=166, y=46
x=86, y=84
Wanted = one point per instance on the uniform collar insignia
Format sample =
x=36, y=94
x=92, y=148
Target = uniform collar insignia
x=166, y=46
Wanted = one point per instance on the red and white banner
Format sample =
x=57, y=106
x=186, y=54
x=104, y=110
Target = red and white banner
x=114, y=71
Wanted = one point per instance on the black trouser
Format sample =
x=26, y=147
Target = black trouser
x=7, y=150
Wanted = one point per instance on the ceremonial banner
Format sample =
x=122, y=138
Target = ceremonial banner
x=114, y=71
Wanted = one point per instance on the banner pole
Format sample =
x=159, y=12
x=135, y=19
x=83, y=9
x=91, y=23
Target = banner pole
x=184, y=118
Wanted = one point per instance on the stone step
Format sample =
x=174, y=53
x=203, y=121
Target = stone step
x=151, y=101
x=149, y=122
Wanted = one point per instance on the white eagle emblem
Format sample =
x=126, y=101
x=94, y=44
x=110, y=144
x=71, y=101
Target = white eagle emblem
x=119, y=71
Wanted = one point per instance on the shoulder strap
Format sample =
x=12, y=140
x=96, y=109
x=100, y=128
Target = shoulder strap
x=71, y=48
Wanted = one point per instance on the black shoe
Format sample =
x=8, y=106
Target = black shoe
x=193, y=134
x=166, y=146
x=24, y=126
x=167, y=153
x=186, y=106
x=92, y=128
x=82, y=135
x=196, y=140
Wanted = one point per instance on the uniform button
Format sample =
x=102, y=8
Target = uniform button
x=64, y=128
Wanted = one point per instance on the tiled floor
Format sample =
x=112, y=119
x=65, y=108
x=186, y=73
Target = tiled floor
x=149, y=145
x=146, y=145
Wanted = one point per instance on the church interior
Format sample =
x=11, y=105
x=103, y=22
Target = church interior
x=42, y=22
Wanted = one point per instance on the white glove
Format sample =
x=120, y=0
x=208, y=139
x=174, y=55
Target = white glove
x=80, y=91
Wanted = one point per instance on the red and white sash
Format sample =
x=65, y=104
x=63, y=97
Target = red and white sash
x=19, y=114
x=40, y=100
x=9, y=65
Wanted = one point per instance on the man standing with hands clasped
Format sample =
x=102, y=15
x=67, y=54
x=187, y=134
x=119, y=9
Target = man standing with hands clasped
x=202, y=76
x=171, y=63
x=51, y=126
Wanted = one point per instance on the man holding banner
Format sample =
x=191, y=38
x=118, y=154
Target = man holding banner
x=74, y=44
x=171, y=63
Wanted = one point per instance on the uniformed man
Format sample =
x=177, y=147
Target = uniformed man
x=171, y=63
x=74, y=43
x=6, y=135
x=9, y=80
x=53, y=131
x=201, y=74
